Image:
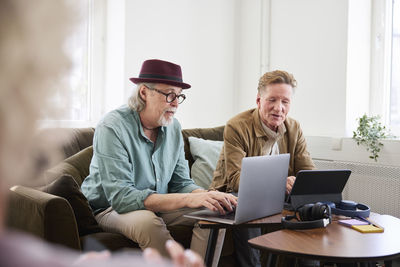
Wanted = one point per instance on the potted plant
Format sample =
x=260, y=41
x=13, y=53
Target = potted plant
x=369, y=133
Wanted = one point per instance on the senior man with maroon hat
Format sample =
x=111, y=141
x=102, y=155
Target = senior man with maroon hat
x=139, y=179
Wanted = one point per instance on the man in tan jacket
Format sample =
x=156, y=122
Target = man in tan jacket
x=265, y=130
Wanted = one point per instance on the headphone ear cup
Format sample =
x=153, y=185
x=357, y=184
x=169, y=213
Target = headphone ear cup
x=328, y=213
x=321, y=211
x=317, y=211
x=305, y=212
x=310, y=216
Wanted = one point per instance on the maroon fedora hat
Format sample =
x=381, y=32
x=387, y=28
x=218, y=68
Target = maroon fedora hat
x=159, y=71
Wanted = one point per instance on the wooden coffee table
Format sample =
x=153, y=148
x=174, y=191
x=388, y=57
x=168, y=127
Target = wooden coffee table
x=336, y=242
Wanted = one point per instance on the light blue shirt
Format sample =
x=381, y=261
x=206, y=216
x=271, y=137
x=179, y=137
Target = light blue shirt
x=127, y=167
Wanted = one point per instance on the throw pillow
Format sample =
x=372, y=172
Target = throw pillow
x=205, y=154
x=65, y=186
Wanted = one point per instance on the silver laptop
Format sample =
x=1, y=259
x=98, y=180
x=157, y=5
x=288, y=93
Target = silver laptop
x=261, y=191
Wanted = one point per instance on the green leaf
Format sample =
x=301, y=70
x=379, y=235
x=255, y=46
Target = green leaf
x=369, y=133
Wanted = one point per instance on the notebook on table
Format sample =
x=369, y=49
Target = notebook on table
x=261, y=191
x=313, y=186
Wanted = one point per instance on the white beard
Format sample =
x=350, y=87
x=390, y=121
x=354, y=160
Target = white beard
x=163, y=121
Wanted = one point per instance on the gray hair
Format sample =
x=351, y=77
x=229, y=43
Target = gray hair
x=135, y=102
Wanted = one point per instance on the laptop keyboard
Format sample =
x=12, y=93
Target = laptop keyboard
x=230, y=215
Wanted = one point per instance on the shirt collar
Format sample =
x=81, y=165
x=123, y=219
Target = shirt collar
x=140, y=126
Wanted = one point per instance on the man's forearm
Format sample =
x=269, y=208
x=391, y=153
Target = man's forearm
x=198, y=198
x=166, y=202
x=199, y=190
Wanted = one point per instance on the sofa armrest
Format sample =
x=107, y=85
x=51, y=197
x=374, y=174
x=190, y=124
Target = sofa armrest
x=44, y=215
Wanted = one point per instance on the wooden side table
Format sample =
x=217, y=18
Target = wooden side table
x=336, y=242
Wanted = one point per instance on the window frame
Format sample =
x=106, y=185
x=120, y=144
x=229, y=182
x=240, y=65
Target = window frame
x=95, y=72
x=395, y=128
x=381, y=60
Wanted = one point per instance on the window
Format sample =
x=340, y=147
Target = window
x=395, y=67
x=385, y=63
x=79, y=99
x=73, y=97
x=78, y=82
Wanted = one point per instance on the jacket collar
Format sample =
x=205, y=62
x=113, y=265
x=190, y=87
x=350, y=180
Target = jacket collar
x=257, y=124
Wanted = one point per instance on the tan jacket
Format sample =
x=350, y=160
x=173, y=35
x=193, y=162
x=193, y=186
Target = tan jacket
x=245, y=137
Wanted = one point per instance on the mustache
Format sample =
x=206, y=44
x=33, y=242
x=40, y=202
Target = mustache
x=170, y=110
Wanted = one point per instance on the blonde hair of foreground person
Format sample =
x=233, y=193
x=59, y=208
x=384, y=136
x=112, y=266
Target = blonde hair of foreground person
x=32, y=38
x=32, y=63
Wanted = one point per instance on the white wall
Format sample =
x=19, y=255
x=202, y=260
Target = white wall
x=248, y=53
x=199, y=36
x=309, y=39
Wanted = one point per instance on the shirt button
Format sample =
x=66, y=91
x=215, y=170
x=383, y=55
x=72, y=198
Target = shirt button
x=158, y=180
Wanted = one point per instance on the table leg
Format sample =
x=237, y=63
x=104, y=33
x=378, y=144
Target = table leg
x=271, y=261
x=388, y=263
x=212, y=242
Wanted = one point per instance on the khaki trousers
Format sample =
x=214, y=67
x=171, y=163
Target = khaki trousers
x=149, y=229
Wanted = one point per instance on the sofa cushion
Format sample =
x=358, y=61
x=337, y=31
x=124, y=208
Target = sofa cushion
x=205, y=154
x=216, y=133
x=81, y=161
x=71, y=140
x=77, y=166
x=66, y=187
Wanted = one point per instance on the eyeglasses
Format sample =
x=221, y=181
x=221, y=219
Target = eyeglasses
x=170, y=97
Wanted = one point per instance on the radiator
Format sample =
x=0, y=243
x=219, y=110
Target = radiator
x=378, y=186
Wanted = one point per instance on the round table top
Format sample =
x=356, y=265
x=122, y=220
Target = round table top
x=336, y=242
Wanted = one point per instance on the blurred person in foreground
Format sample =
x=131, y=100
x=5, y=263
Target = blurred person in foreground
x=264, y=130
x=32, y=38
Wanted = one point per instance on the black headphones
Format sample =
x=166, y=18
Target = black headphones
x=349, y=208
x=309, y=216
